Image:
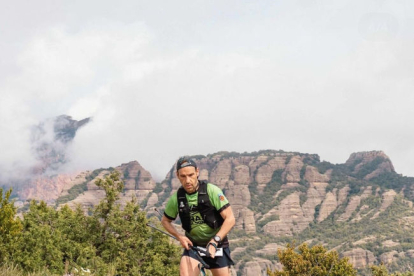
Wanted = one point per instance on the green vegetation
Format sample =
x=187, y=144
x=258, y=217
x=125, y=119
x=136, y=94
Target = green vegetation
x=265, y=201
x=397, y=182
x=76, y=190
x=73, y=193
x=10, y=226
x=110, y=241
x=314, y=261
x=381, y=270
x=369, y=167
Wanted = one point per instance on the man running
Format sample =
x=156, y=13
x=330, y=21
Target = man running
x=206, y=217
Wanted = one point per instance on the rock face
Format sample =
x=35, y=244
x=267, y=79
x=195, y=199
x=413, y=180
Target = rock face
x=354, y=203
x=138, y=183
x=359, y=257
x=258, y=266
x=378, y=160
x=48, y=188
x=270, y=249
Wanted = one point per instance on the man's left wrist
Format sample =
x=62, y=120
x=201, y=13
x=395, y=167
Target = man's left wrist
x=217, y=239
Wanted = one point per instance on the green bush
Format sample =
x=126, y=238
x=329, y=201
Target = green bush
x=111, y=240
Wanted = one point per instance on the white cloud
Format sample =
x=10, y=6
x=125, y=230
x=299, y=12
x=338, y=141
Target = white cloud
x=294, y=77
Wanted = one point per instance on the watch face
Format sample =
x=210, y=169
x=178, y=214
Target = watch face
x=217, y=238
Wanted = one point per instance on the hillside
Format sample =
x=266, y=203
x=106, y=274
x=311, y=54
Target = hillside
x=362, y=208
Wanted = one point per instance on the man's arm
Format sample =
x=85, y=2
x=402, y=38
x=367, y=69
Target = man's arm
x=167, y=224
x=229, y=221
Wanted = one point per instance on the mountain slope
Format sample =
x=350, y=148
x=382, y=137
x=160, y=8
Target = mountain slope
x=362, y=208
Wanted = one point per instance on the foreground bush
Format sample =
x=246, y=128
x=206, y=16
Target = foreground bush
x=315, y=261
x=112, y=240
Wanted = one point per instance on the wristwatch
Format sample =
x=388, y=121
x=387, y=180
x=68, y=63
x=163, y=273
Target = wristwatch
x=217, y=239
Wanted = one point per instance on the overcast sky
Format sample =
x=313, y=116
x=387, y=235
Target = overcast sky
x=163, y=79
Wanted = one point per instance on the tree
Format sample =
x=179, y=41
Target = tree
x=315, y=261
x=125, y=241
x=10, y=226
x=40, y=244
x=112, y=240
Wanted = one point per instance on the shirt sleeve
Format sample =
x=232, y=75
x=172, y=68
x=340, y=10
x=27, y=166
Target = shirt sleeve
x=217, y=197
x=171, y=208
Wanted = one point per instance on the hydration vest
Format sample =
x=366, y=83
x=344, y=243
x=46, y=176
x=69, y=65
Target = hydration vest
x=208, y=212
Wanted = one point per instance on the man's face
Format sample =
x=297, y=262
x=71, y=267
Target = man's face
x=188, y=177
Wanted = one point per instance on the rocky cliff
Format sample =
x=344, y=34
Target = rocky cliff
x=354, y=208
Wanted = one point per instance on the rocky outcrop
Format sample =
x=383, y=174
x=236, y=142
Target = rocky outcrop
x=245, y=220
x=293, y=168
x=312, y=175
x=353, y=204
x=390, y=257
x=136, y=177
x=359, y=257
x=379, y=160
x=315, y=195
x=259, y=266
x=364, y=240
x=390, y=243
x=387, y=199
x=48, y=188
x=291, y=217
x=329, y=205
x=242, y=175
x=221, y=173
x=138, y=184
x=270, y=249
x=265, y=172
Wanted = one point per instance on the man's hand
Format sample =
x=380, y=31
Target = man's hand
x=211, y=249
x=185, y=242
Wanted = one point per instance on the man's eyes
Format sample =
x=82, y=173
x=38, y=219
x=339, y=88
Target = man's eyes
x=189, y=175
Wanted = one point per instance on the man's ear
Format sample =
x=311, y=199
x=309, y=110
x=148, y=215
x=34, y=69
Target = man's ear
x=198, y=172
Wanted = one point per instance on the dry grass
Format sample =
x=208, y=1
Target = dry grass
x=13, y=270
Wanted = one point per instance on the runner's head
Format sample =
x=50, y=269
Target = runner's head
x=185, y=162
x=187, y=173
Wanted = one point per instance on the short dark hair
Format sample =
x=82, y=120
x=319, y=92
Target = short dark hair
x=185, y=162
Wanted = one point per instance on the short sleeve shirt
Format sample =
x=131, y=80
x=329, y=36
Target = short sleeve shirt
x=200, y=232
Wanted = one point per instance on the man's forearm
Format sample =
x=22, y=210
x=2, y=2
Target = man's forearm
x=228, y=222
x=226, y=227
x=169, y=227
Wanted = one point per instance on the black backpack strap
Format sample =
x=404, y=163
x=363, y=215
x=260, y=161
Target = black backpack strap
x=183, y=209
x=202, y=192
x=208, y=212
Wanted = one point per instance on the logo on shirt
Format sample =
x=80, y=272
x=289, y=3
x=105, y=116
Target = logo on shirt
x=221, y=197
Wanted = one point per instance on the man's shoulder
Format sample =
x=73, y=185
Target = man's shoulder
x=173, y=196
x=212, y=188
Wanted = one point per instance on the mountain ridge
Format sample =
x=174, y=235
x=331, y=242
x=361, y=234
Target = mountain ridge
x=279, y=197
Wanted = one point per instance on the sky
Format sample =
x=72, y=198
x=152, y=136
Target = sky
x=163, y=79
